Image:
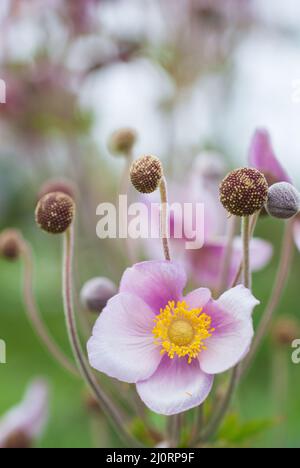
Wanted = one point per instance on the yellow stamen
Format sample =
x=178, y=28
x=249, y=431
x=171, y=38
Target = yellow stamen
x=181, y=331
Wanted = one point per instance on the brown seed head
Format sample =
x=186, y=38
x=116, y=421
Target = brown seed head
x=10, y=244
x=244, y=191
x=122, y=141
x=146, y=174
x=18, y=440
x=286, y=330
x=55, y=213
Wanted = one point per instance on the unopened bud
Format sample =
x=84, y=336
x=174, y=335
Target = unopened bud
x=146, y=174
x=122, y=141
x=96, y=293
x=55, y=213
x=244, y=191
x=10, y=244
x=283, y=201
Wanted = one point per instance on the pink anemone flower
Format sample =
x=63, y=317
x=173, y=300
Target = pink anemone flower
x=24, y=423
x=168, y=344
x=263, y=158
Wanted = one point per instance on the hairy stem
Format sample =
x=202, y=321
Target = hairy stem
x=33, y=314
x=112, y=412
x=279, y=286
x=164, y=217
x=246, y=251
x=226, y=261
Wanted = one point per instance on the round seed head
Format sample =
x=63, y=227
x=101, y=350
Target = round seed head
x=96, y=293
x=283, y=201
x=10, y=244
x=244, y=191
x=55, y=213
x=146, y=174
x=122, y=141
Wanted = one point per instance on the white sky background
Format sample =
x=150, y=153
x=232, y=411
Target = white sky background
x=265, y=64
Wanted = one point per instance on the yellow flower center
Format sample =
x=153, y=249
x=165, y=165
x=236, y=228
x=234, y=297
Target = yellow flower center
x=181, y=331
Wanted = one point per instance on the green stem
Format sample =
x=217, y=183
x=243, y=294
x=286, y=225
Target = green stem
x=165, y=218
x=107, y=406
x=246, y=251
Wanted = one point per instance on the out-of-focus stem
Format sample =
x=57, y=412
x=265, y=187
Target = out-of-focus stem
x=164, y=217
x=226, y=261
x=246, y=251
x=34, y=315
x=279, y=286
x=107, y=405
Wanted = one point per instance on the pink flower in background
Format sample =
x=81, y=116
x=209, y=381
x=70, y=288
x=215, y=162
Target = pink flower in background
x=263, y=158
x=168, y=344
x=23, y=424
x=204, y=265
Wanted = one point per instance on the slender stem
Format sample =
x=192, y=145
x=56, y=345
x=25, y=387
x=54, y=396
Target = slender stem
x=34, y=315
x=253, y=226
x=198, y=424
x=246, y=251
x=107, y=406
x=228, y=254
x=221, y=413
x=164, y=216
x=279, y=286
x=235, y=375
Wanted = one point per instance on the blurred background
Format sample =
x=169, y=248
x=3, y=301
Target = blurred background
x=189, y=76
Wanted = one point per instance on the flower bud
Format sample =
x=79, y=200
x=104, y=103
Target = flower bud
x=244, y=191
x=55, y=213
x=10, y=244
x=96, y=293
x=283, y=201
x=122, y=141
x=146, y=174
x=57, y=185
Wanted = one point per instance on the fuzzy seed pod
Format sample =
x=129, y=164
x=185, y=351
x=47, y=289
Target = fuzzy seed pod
x=96, y=293
x=57, y=185
x=244, y=191
x=10, y=244
x=146, y=174
x=283, y=201
x=55, y=213
x=122, y=141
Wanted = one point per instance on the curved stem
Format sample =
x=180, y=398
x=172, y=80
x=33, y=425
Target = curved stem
x=164, y=216
x=107, y=406
x=279, y=286
x=34, y=316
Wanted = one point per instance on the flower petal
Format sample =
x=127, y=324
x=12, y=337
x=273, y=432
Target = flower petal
x=198, y=298
x=122, y=345
x=175, y=387
x=155, y=282
x=232, y=320
x=262, y=157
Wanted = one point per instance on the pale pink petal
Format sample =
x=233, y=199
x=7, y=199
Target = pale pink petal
x=155, y=282
x=122, y=345
x=175, y=387
x=232, y=320
x=30, y=416
x=262, y=157
x=198, y=299
x=205, y=264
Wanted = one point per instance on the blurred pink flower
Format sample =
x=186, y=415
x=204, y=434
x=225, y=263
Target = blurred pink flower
x=23, y=424
x=262, y=157
x=168, y=344
x=204, y=265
